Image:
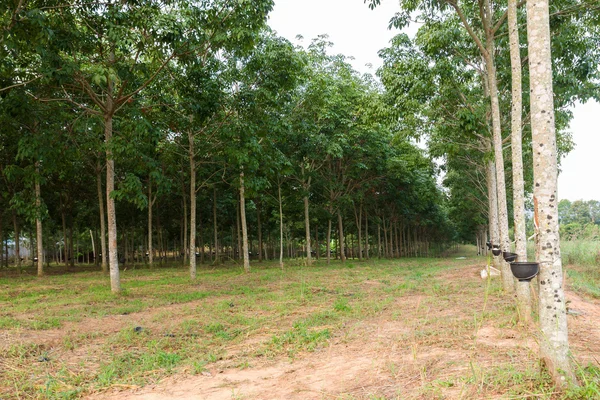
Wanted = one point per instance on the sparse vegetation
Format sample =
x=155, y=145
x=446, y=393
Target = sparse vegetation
x=231, y=320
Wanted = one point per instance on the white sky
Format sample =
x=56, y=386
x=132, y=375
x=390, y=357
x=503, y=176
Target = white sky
x=359, y=32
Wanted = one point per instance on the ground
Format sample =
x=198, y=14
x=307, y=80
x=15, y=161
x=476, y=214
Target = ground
x=439, y=333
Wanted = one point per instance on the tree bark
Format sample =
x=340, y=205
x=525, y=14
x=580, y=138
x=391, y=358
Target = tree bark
x=260, y=241
x=379, y=241
x=341, y=240
x=328, y=246
x=113, y=259
x=489, y=56
x=244, y=227
x=192, y=207
x=554, y=340
x=280, y=225
x=215, y=230
x=359, y=229
x=150, y=248
x=366, y=234
x=64, y=232
x=38, y=222
x=523, y=288
x=185, y=239
x=307, y=230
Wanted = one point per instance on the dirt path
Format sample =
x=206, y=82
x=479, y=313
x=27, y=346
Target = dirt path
x=417, y=349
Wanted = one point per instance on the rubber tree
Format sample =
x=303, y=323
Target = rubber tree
x=522, y=288
x=554, y=340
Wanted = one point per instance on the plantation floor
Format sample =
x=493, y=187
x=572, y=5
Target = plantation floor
x=409, y=329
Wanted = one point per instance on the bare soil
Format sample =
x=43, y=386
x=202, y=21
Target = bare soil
x=423, y=346
x=419, y=348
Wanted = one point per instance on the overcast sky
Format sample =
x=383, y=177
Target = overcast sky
x=359, y=32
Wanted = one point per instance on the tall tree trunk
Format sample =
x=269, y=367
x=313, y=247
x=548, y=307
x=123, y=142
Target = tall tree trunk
x=238, y=231
x=38, y=222
x=150, y=248
x=280, y=225
x=102, y=218
x=328, y=244
x=367, y=234
x=396, y=238
x=215, y=230
x=341, y=239
x=64, y=232
x=185, y=241
x=244, y=227
x=115, y=281
x=554, y=339
x=489, y=56
x=523, y=288
x=493, y=206
x=259, y=226
x=317, y=248
x=192, y=206
x=113, y=259
x=71, y=252
x=307, y=230
x=358, y=218
x=17, y=240
x=379, y=241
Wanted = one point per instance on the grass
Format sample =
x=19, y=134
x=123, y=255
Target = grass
x=234, y=320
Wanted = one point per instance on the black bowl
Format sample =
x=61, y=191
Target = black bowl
x=509, y=257
x=524, y=271
x=496, y=252
x=489, y=245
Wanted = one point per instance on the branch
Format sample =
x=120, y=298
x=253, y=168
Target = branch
x=468, y=27
x=20, y=84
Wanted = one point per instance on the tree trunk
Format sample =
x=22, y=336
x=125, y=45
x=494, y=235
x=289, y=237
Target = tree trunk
x=244, y=227
x=259, y=226
x=307, y=230
x=317, y=248
x=379, y=241
x=489, y=56
x=341, y=239
x=150, y=248
x=493, y=206
x=359, y=229
x=366, y=235
x=280, y=225
x=102, y=218
x=38, y=223
x=328, y=246
x=192, y=207
x=113, y=259
x=554, y=340
x=215, y=230
x=185, y=241
x=523, y=288
x=64, y=232
x=238, y=231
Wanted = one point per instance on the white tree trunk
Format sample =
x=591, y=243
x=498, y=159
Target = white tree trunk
x=192, y=207
x=523, y=288
x=341, y=239
x=38, y=223
x=307, y=231
x=507, y=277
x=554, y=340
x=280, y=226
x=244, y=226
x=113, y=259
x=150, y=247
x=215, y=230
